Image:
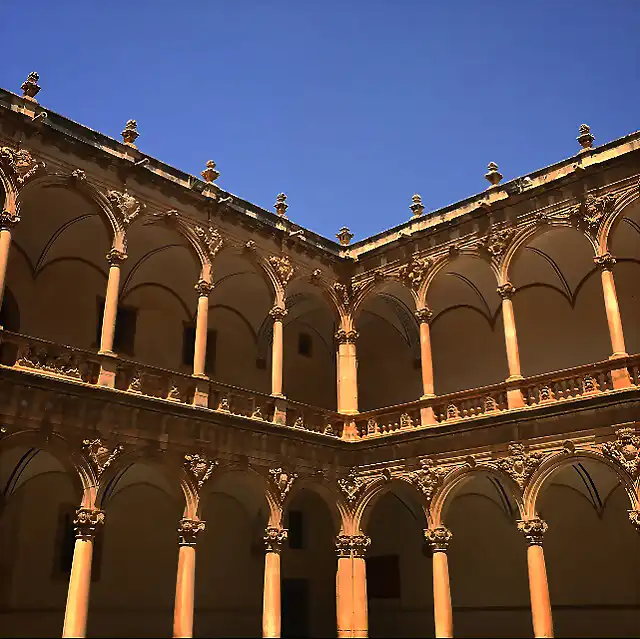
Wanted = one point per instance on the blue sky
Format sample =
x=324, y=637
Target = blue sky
x=349, y=107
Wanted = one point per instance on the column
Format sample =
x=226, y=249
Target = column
x=347, y=372
x=115, y=259
x=438, y=539
x=351, y=586
x=424, y=316
x=514, y=395
x=7, y=222
x=533, y=530
x=274, y=537
x=75, y=614
x=277, y=350
x=202, y=324
x=185, y=580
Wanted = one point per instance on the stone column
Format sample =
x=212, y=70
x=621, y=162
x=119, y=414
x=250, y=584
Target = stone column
x=351, y=586
x=533, y=530
x=514, y=395
x=75, y=614
x=424, y=316
x=185, y=580
x=115, y=259
x=274, y=537
x=347, y=372
x=7, y=222
x=202, y=324
x=277, y=350
x=438, y=539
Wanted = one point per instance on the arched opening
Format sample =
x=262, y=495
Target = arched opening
x=388, y=348
x=592, y=552
x=230, y=557
x=467, y=334
x=487, y=560
x=558, y=305
x=309, y=568
x=134, y=595
x=37, y=508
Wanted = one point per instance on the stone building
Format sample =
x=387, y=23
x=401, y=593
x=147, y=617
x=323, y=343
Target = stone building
x=428, y=431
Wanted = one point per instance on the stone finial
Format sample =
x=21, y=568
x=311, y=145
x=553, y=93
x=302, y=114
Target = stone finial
x=344, y=236
x=585, y=137
x=30, y=86
x=130, y=133
x=493, y=175
x=210, y=174
x=281, y=205
x=416, y=205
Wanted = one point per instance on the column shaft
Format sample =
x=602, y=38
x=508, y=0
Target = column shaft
x=185, y=591
x=344, y=597
x=277, y=358
x=539, y=591
x=202, y=325
x=511, y=340
x=442, y=611
x=426, y=359
x=360, y=604
x=110, y=310
x=75, y=615
x=347, y=373
x=271, y=605
x=613, y=314
x=5, y=245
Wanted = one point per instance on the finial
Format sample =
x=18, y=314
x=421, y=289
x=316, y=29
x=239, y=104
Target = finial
x=493, y=176
x=130, y=133
x=30, y=86
x=210, y=174
x=416, y=207
x=344, y=236
x=585, y=139
x=281, y=205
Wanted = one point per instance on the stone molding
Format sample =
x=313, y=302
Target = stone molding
x=352, y=546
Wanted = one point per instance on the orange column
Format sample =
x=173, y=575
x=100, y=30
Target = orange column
x=351, y=586
x=274, y=537
x=277, y=350
x=424, y=316
x=347, y=372
x=438, y=539
x=115, y=259
x=514, y=394
x=185, y=579
x=7, y=222
x=202, y=324
x=75, y=614
x=534, y=530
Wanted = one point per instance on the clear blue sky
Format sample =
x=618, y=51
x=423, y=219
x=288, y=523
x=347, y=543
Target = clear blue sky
x=348, y=106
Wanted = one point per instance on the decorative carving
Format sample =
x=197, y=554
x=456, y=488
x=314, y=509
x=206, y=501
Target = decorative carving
x=274, y=537
x=453, y=412
x=413, y=273
x=585, y=137
x=417, y=208
x=130, y=133
x=372, y=427
x=406, y=421
x=352, y=485
x=30, y=87
x=590, y=384
x=87, y=521
x=346, y=337
x=299, y=423
x=204, y=288
x=283, y=481
x=517, y=186
x=210, y=175
x=506, y=291
x=278, y=313
x=224, y=404
x=497, y=240
x=316, y=275
x=282, y=267
x=250, y=245
x=625, y=450
x=174, y=394
x=65, y=364
x=634, y=518
x=79, y=175
x=344, y=236
x=211, y=239
x=199, y=467
x=490, y=404
x=424, y=315
x=533, y=530
x=115, y=257
x=606, y=261
x=428, y=478
x=125, y=206
x=592, y=210
x=349, y=546
x=135, y=385
x=8, y=220
x=188, y=530
x=568, y=447
x=281, y=205
x=257, y=414
x=438, y=538
x=343, y=291
x=20, y=163
x=546, y=394
x=101, y=456
x=493, y=176
x=520, y=464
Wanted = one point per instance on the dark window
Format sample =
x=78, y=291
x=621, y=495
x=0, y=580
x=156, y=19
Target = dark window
x=305, y=344
x=383, y=577
x=67, y=542
x=125, y=335
x=189, y=347
x=261, y=364
x=296, y=530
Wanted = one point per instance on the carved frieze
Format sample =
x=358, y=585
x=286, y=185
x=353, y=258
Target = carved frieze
x=438, y=538
x=20, y=163
x=274, y=537
x=414, y=272
x=424, y=315
x=283, y=481
x=282, y=267
x=101, y=456
x=625, y=450
x=199, y=467
x=125, y=206
x=188, y=530
x=520, y=464
x=352, y=545
x=533, y=529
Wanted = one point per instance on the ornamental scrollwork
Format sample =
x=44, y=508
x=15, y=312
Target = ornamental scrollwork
x=211, y=240
x=592, y=210
x=438, y=538
x=200, y=468
x=283, y=481
x=625, y=450
x=497, y=240
x=188, y=530
x=428, y=478
x=282, y=267
x=533, y=529
x=125, y=206
x=274, y=537
x=20, y=163
x=100, y=455
x=520, y=464
x=352, y=485
x=350, y=546
x=414, y=273
x=346, y=337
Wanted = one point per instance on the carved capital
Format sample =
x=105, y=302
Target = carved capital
x=188, y=530
x=282, y=267
x=346, y=337
x=116, y=257
x=199, y=467
x=274, y=537
x=506, y=290
x=278, y=313
x=87, y=521
x=282, y=480
x=438, y=538
x=100, y=455
x=352, y=546
x=125, y=207
x=625, y=450
x=20, y=163
x=8, y=220
x=210, y=239
x=424, y=315
x=605, y=261
x=413, y=273
x=533, y=530
x=634, y=518
x=204, y=288
x=520, y=464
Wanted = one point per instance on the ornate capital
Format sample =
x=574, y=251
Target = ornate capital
x=199, y=467
x=413, y=273
x=130, y=133
x=351, y=546
x=497, y=240
x=282, y=267
x=274, y=537
x=278, y=313
x=204, y=288
x=605, y=261
x=533, y=530
x=8, y=220
x=125, y=206
x=520, y=464
x=346, y=337
x=115, y=257
x=211, y=240
x=428, y=478
x=281, y=205
x=87, y=521
x=625, y=450
x=593, y=209
x=30, y=87
x=100, y=455
x=438, y=538
x=506, y=290
x=21, y=164
x=210, y=174
x=188, y=530
x=282, y=480
x=634, y=518
x=424, y=315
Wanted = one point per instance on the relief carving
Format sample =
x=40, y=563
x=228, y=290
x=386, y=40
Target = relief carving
x=211, y=240
x=282, y=267
x=188, y=530
x=8, y=220
x=438, y=538
x=592, y=210
x=533, y=530
x=200, y=468
x=413, y=273
x=625, y=450
x=21, y=164
x=283, y=481
x=497, y=240
x=125, y=206
x=100, y=455
x=352, y=545
x=274, y=537
x=87, y=521
x=428, y=478
x=352, y=485
x=520, y=464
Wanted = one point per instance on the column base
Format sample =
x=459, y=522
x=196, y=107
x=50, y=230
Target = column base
x=280, y=411
x=514, y=394
x=201, y=394
x=108, y=369
x=349, y=431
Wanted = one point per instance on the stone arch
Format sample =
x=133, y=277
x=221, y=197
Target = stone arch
x=381, y=285
x=612, y=220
